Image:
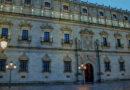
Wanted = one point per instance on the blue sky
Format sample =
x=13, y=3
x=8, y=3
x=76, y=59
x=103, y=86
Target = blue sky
x=124, y=4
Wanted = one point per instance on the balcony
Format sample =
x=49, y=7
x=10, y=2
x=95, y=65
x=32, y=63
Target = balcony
x=119, y=46
x=8, y=38
x=46, y=42
x=23, y=40
x=105, y=45
x=69, y=43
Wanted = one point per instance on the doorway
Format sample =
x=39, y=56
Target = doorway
x=89, y=73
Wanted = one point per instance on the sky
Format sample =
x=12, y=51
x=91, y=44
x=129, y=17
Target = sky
x=124, y=4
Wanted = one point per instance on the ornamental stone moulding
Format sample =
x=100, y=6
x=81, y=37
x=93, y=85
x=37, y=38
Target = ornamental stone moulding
x=46, y=58
x=118, y=35
x=3, y=56
x=46, y=27
x=67, y=58
x=25, y=25
x=6, y=23
x=66, y=29
x=106, y=59
x=86, y=31
x=121, y=59
x=103, y=33
x=128, y=36
x=23, y=57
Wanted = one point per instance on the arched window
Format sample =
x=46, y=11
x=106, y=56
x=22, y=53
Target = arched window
x=8, y=2
x=114, y=17
x=107, y=64
x=47, y=4
x=2, y=62
x=121, y=64
x=46, y=64
x=67, y=64
x=126, y=19
x=65, y=8
x=85, y=10
x=27, y=2
x=101, y=13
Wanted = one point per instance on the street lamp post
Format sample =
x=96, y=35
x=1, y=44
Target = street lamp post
x=82, y=68
x=98, y=60
x=10, y=67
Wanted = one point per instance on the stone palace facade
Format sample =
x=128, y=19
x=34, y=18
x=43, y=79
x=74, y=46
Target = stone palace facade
x=49, y=39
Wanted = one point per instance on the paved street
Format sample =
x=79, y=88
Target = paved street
x=122, y=85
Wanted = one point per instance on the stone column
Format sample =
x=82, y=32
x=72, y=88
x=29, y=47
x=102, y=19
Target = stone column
x=37, y=3
x=17, y=2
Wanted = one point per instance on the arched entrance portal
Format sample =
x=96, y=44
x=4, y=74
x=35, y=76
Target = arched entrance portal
x=89, y=73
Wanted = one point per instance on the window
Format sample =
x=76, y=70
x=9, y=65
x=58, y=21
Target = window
x=47, y=4
x=107, y=66
x=129, y=43
x=46, y=36
x=46, y=66
x=2, y=65
x=8, y=0
x=118, y=42
x=114, y=16
x=66, y=38
x=84, y=10
x=4, y=33
x=122, y=68
x=101, y=14
x=25, y=35
x=27, y=2
x=23, y=65
x=104, y=41
x=67, y=66
x=65, y=7
x=126, y=18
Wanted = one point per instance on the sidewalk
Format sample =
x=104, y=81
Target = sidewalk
x=121, y=85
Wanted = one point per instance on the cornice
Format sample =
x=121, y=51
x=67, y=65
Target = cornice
x=62, y=21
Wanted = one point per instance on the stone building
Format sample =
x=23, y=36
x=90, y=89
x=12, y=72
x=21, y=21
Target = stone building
x=49, y=39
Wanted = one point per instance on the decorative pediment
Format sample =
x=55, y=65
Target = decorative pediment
x=46, y=58
x=3, y=56
x=23, y=57
x=25, y=25
x=106, y=59
x=66, y=29
x=46, y=27
x=118, y=35
x=67, y=58
x=128, y=36
x=86, y=31
x=6, y=23
x=103, y=33
x=121, y=59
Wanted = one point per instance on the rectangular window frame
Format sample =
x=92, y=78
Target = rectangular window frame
x=25, y=66
x=2, y=69
x=46, y=69
x=67, y=68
